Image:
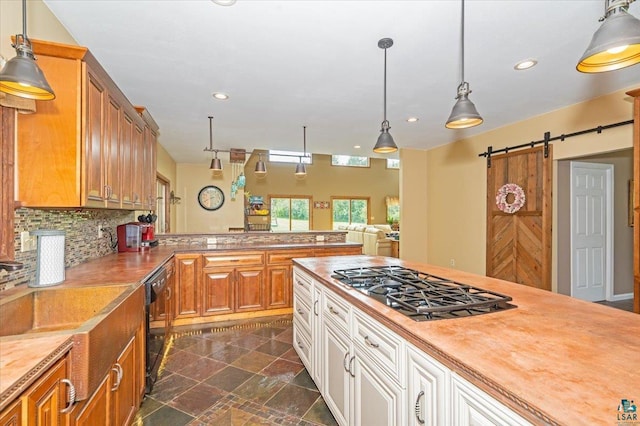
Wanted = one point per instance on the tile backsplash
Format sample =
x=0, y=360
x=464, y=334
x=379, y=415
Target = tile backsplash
x=81, y=237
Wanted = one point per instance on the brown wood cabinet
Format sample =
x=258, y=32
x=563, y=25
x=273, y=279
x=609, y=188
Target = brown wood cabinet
x=47, y=397
x=187, y=290
x=218, y=290
x=84, y=141
x=12, y=415
x=279, y=277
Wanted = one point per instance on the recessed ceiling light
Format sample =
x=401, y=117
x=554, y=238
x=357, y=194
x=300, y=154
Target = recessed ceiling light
x=356, y=146
x=221, y=96
x=224, y=2
x=525, y=64
x=412, y=119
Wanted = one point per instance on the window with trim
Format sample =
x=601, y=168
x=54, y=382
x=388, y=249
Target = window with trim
x=163, y=198
x=349, y=161
x=289, y=157
x=393, y=163
x=348, y=211
x=290, y=213
x=393, y=209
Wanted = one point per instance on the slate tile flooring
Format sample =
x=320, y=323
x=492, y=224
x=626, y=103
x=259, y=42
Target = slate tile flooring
x=238, y=373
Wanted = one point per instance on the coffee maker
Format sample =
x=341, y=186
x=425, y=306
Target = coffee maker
x=148, y=230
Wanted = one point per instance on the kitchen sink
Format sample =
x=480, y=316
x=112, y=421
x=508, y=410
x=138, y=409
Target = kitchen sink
x=100, y=319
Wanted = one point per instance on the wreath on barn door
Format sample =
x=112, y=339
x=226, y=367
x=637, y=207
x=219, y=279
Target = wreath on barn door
x=518, y=198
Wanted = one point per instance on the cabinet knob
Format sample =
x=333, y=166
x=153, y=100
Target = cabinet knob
x=72, y=396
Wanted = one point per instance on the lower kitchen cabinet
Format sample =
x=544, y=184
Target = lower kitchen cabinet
x=427, y=387
x=187, y=292
x=249, y=288
x=217, y=291
x=278, y=294
x=96, y=410
x=12, y=415
x=336, y=379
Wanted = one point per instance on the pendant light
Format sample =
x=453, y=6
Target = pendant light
x=216, y=164
x=464, y=113
x=616, y=44
x=261, y=168
x=385, y=143
x=21, y=76
x=301, y=170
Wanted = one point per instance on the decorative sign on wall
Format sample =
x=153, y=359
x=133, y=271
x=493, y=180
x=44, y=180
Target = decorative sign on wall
x=321, y=204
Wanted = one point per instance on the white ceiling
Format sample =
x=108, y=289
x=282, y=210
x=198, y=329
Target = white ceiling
x=286, y=64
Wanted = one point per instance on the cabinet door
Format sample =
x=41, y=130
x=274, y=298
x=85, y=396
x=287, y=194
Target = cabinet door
x=47, y=397
x=376, y=398
x=138, y=164
x=336, y=348
x=427, y=390
x=96, y=410
x=278, y=289
x=94, y=141
x=12, y=415
x=124, y=389
x=187, y=294
x=112, y=153
x=126, y=161
x=140, y=360
x=149, y=169
x=217, y=291
x=249, y=289
x=316, y=337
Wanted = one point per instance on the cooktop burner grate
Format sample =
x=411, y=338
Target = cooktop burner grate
x=422, y=296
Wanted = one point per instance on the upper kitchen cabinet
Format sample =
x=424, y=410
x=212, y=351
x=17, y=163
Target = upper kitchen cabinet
x=88, y=147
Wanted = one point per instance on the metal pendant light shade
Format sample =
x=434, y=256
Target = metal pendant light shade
x=301, y=170
x=21, y=76
x=261, y=168
x=464, y=113
x=216, y=164
x=385, y=143
x=616, y=44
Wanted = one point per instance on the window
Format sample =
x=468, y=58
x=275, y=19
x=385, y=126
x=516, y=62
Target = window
x=393, y=163
x=393, y=209
x=290, y=213
x=289, y=157
x=162, y=205
x=349, y=160
x=346, y=211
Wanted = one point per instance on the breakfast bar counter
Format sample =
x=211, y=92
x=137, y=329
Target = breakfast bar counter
x=553, y=359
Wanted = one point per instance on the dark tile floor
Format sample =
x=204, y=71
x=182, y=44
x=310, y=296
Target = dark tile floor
x=237, y=373
x=625, y=305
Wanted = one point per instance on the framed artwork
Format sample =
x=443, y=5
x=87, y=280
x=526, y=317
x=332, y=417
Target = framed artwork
x=631, y=203
x=321, y=204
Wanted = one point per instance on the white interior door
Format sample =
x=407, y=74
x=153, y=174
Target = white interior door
x=591, y=230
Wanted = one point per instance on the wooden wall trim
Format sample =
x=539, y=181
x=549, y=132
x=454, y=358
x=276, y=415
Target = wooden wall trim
x=7, y=144
x=636, y=196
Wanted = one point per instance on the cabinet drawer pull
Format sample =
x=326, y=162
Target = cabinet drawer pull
x=119, y=372
x=72, y=396
x=168, y=293
x=333, y=311
x=418, y=408
x=300, y=345
x=368, y=342
x=344, y=363
x=300, y=311
x=315, y=308
x=352, y=373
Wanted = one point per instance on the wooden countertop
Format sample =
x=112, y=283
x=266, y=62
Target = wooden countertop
x=554, y=359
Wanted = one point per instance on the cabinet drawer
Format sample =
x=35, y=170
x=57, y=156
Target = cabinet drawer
x=286, y=256
x=336, y=309
x=233, y=259
x=302, y=314
x=381, y=345
x=302, y=345
x=302, y=285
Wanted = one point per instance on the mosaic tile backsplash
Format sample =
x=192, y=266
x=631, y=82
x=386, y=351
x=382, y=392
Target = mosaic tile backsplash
x=81, y=237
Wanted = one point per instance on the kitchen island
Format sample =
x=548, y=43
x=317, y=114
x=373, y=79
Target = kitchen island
x=552, y=359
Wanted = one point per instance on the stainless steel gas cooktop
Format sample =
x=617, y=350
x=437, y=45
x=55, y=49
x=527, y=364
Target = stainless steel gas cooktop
x=422, y=296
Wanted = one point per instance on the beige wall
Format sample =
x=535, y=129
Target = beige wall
x=456, y=186
x=414, y=205
x=324, y=180
x=41, y=24
x=190, y=217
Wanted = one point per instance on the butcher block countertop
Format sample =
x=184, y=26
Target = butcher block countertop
x=24, y=358
x=553, y=359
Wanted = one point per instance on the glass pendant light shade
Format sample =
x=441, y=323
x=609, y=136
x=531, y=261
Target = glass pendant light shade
x=464, y=113
x=21, y=76
x=301, y=170
x=615, y=45
x=385, y=143
x=261, y=168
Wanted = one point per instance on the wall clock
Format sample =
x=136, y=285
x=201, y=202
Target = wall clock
x=211, y=198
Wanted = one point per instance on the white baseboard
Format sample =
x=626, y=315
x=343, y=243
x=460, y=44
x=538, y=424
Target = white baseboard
x=618, y=297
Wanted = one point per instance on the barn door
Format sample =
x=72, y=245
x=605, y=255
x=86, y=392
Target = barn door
x=519, y=237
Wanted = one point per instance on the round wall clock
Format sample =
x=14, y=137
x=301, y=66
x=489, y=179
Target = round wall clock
x=211, y=198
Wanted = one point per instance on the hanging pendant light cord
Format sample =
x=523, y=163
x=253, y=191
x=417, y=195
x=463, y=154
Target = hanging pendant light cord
x=385, y=84
x=462, y=45
x=304, y=140
x=24, y=18
x=211, y=133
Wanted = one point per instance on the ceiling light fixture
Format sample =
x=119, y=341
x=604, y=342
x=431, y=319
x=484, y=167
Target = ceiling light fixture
x=616, y=44
x=261, y=168
x=301, y=170
x=412, y=119
x=525, y=64
x=21, y=76
x=220, y=96
x=385, y=143
x=464, y=113
x=224, y=2
x=216, y=164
